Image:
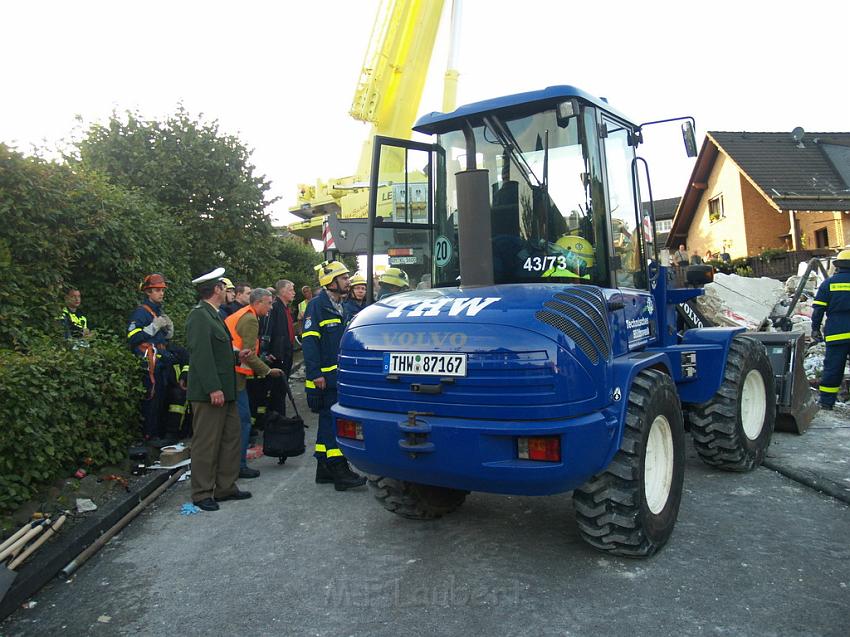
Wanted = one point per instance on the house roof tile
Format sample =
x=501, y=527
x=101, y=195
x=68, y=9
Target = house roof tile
x=810, y=175
x=795, y=175
x=664, y=208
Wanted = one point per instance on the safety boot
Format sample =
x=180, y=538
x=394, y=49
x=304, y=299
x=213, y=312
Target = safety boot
x=323, y=474
x=343, y=477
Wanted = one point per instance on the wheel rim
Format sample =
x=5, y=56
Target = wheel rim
x=658, y=465
x=753, y=404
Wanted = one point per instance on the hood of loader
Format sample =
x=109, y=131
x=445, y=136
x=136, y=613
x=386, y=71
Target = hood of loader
x=532, y=351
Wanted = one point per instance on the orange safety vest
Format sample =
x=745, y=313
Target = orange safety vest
x=231, y=322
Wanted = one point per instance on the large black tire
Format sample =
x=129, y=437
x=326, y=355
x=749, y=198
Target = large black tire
x=732, y=431
x=630, y=509
x=415, y=501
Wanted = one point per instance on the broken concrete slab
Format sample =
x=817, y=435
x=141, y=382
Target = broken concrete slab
x=739, y=301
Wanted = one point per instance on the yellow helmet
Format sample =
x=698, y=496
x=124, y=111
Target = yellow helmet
x=842, y=259
x=396, y=277
x=357, y=279
x=578, y=246
x=329, y=270
x=228, y=284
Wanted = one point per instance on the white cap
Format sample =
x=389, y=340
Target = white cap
x=209, y=276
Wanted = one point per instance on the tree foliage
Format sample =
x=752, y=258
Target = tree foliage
x=64, y=227
x=202, y=176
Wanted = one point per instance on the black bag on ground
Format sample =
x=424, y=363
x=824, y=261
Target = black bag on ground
x=284, y=437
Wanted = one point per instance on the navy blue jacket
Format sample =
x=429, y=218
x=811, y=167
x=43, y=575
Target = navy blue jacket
x=139, y=319
x=323, y=328
x=352, y=307
x=833, y=298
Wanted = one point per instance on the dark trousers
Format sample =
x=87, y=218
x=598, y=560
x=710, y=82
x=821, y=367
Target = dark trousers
x=215, y=450
x=154, y=401
x=327, y=449
x=833, y=371
x=258, y=399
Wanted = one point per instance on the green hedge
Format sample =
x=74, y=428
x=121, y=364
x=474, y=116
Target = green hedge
x=60, y=406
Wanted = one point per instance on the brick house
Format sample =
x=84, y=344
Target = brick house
x=749, y=192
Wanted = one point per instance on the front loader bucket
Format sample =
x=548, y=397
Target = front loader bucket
x=795, y=402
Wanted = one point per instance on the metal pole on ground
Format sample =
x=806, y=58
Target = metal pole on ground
x=108, y=535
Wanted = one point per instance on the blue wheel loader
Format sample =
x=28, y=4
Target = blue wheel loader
x=538, y=349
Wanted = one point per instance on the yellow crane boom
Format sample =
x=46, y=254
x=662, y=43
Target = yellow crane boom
x=394, y=70
x=388, y=94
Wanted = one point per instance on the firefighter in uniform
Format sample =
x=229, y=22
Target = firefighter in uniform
x=324, y=323
x=393, y=281
x=356, y=295
x=148, y=333
x=833, y=299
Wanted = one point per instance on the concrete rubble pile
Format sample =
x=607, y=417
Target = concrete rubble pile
x=758, y=304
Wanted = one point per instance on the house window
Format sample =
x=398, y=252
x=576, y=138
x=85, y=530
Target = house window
x=822, y=238
x=715, y=209
x=663, y=226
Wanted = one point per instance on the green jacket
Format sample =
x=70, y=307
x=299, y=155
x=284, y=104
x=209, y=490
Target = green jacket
x=211, y=355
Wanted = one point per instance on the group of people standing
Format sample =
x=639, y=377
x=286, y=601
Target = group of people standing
x=240, y=341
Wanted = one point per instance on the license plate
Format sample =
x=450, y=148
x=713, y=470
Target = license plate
x=425, y=364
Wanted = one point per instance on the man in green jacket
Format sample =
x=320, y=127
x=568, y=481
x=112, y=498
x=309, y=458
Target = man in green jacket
x=212, y=392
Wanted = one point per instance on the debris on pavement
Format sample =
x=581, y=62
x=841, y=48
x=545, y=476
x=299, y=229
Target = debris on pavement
x=84, y=505
x=761, y=304
x=189, y=509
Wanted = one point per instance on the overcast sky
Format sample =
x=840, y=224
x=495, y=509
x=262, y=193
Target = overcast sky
x=281, y=75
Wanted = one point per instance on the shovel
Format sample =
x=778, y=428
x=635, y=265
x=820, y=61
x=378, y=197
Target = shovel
x=7, y=575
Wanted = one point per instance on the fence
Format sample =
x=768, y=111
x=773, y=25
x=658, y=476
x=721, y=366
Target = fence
x=783, y=265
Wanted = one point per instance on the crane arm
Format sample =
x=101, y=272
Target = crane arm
x=395, y=69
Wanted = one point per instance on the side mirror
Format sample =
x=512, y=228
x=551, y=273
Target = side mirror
x=690, y=139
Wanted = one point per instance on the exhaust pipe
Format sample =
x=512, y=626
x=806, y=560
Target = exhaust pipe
x=474, y=226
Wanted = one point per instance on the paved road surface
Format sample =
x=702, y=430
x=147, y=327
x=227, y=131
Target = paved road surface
x=753, y=554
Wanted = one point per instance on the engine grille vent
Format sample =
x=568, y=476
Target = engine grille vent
x=580, y=313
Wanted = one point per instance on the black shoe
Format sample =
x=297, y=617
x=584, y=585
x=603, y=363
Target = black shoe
x=236, y=495
x=343, y=477
x=281, y=460
x=246, y=473
x=323, y=474
x=207, y=504
x=827, y=407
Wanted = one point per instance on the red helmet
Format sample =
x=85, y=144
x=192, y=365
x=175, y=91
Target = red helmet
x=153, y=281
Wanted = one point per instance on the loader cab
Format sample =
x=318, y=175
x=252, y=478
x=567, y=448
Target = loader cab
x=557, y=195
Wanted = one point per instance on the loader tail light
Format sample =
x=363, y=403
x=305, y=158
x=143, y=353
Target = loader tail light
x=349, y=429
x=547, y=448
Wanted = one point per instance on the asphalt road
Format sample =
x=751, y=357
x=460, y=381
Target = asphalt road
x=752, y=554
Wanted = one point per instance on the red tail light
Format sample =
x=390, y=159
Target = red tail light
x=546, y=448
x=349, y=429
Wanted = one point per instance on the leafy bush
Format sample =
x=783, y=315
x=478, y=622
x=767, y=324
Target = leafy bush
x=295, y=261
x=61, y=405
x=71, y=227
x=769, y=253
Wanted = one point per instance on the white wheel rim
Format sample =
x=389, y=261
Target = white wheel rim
x=753, y=404
x=658, y=465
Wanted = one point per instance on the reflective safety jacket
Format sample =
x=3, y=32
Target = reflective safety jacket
x=833, y=298
x=74, y=325
x=140, y=318
x=236, y=337
x=323, y=328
